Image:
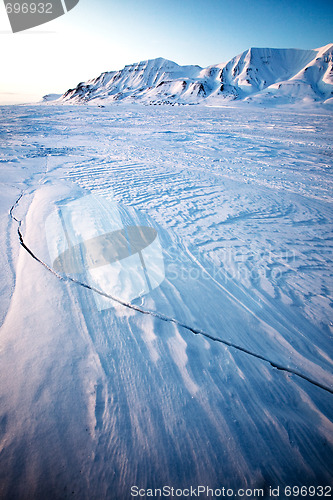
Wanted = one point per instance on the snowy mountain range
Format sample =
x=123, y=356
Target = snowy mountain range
x=261, y=75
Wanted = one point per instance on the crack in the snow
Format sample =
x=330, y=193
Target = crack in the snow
x=163, y=317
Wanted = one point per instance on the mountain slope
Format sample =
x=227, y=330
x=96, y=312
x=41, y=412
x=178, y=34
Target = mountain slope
x=261, y=75
x=136, y=81
x=313, y=82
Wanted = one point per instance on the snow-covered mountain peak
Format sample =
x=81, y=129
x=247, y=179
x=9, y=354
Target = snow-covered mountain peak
x=325, y=48
x=260, y=75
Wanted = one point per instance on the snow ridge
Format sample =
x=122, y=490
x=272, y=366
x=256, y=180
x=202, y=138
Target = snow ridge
x=261, y=75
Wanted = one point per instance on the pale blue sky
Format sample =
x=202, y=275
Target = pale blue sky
x=101, y=35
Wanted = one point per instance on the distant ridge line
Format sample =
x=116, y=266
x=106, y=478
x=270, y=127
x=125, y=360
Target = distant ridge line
x=263, y=76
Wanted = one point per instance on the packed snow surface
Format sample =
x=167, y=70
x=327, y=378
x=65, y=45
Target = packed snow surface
x=258, y=75
x=221, y=375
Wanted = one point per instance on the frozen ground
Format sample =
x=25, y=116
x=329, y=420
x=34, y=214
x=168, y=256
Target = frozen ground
x=93, y=402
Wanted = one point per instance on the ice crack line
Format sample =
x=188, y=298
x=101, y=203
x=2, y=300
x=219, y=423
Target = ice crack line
x=163, y=317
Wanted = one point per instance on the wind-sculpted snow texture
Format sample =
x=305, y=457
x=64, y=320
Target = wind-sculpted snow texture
x=260, y=76
x=222, y=374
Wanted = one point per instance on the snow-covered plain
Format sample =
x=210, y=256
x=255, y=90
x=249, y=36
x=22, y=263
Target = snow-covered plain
x=93, y=402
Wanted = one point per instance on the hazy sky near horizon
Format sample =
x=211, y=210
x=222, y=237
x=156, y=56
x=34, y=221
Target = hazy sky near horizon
x=104, y=35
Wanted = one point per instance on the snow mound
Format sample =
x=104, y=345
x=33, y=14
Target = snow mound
x=51, y=97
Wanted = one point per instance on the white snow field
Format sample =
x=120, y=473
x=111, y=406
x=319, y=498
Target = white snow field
x=221, y=374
